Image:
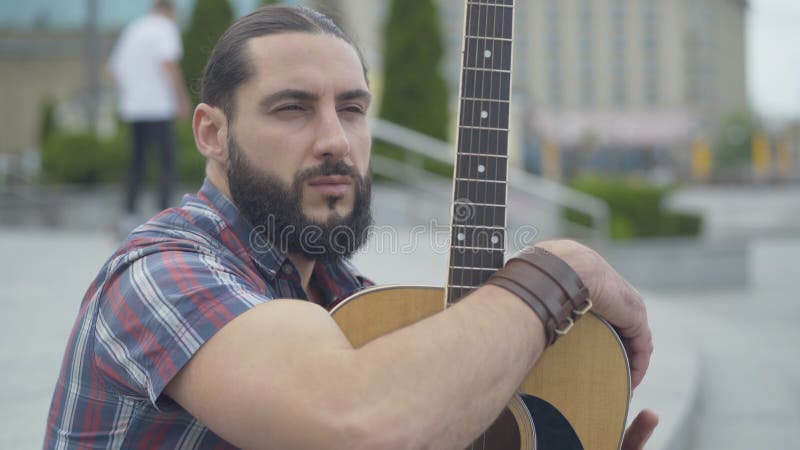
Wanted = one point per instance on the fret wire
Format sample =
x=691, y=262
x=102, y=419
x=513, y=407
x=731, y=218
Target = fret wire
x=484, y=69
x=479, y=226
x=499, y=5
x=478, y=249
x=486, y=181
x=482, y=128
x=480, y=204
x=477, y=99
x=484, y=269
x=459, y=286
x=491, y=155
x=478, y=2
x=493, y=38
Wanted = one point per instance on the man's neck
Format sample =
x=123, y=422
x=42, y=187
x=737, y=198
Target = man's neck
x=305, y=267
x=162, y=13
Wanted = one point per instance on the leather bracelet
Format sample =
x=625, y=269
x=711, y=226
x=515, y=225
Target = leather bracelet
x=549, y=286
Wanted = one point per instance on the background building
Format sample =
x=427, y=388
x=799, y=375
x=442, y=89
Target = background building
x=605, y=84
x=615, y=84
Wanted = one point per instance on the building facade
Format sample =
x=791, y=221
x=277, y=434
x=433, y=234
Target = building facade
x=591, y=77
x=631, y=83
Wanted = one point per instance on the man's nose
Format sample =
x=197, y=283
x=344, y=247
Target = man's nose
x=332, y=141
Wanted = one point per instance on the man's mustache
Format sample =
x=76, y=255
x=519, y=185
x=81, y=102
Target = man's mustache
x=328, y=168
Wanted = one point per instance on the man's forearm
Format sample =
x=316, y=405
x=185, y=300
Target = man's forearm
x=176, y=79
x=490, y=337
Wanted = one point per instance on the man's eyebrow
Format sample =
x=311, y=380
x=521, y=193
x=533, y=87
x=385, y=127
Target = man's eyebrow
x=355, y=94
x=287, y=94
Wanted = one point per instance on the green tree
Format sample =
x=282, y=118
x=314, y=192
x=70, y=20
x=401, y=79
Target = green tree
x=733, y=147
x=269, y=2
x=210, y=18
x=415, y=93
x=48, y=126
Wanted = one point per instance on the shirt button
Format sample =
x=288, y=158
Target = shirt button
x=287, y=269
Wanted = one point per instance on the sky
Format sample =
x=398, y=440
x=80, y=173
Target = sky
x=773, y=45
x=773, y=41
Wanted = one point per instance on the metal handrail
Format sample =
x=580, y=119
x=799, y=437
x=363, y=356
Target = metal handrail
x=524, y=182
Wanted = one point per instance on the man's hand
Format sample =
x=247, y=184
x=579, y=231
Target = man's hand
x=640, y=430
x=613, y=298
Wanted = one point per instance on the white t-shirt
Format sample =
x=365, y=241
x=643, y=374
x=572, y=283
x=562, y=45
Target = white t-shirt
x=144, y=88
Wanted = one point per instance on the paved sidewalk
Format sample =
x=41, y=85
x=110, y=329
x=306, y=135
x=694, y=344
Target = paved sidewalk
x=44, y=274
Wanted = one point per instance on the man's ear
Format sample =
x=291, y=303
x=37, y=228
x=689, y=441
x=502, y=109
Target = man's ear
x=210, y=128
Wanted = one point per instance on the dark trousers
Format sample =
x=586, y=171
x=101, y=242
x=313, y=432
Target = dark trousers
x=158, y=135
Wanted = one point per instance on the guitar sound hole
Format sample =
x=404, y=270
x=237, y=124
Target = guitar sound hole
x=502, y=435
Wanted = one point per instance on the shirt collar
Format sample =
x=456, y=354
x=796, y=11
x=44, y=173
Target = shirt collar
x=249, y=243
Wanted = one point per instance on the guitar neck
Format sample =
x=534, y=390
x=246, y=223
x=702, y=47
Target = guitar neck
x=480, y=183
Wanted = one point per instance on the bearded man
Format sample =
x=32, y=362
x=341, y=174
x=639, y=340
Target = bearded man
x=208, y=328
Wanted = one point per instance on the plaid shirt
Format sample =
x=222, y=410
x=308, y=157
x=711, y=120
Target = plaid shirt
x=174, y=282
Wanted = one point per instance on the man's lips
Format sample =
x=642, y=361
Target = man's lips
x=331, y=184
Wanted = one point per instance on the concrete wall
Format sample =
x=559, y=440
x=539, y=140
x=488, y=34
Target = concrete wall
x=36, y=67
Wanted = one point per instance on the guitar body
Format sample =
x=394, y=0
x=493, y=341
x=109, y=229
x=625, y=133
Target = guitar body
x=576, y=397
x=577, y=393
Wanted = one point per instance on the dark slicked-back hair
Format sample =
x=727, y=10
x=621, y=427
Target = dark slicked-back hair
x=228, y=66
x=164, y=5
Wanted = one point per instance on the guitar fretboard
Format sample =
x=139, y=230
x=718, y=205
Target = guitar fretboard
x=479, y=206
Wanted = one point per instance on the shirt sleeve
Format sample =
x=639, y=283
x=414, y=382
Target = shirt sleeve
x=160, y=309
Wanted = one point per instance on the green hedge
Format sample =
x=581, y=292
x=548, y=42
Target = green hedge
x=83, y=158
x=636, y=208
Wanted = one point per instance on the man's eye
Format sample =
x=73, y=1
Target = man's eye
x=290, y=108
x=354, y=109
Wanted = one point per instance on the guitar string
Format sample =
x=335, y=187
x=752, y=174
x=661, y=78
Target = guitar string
x=464, y=186
x=460, y=163
x=506, y=125
x=479, y=32
x=497, y=59
x=475, y=94
x=484, y=33
x=474, y=104
x=483, y=79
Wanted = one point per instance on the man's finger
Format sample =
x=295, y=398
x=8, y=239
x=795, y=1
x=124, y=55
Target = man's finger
x=640, y=430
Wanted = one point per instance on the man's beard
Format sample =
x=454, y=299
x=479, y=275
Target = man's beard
x=276, y=211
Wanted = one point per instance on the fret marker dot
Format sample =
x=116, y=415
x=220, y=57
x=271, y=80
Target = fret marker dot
x=487, y=53
x=495, y=239
x=461, y=236
x=481, y=168
x=484, y=114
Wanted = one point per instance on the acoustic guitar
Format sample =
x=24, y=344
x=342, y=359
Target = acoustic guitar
x=577, y=395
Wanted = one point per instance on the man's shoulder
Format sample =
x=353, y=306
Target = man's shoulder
x=149, y=26
x=188, y=227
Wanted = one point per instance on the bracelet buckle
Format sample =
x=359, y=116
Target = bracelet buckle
x=585, y=309
x=567, y=327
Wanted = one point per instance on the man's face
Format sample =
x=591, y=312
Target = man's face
x=300, y=140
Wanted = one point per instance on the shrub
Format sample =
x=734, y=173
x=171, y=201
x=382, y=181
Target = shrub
x=636, y=208
x=83, y=158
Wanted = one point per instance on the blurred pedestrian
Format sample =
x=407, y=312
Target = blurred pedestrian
x=145, y=68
